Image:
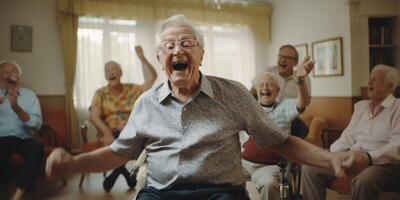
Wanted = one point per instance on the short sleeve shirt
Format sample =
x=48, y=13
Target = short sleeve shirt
x=115, y=110
x=196, y=141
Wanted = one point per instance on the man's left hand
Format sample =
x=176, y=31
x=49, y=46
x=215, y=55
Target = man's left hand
x=356, y=162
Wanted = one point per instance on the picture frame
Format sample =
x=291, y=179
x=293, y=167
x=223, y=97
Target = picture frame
x=21, y=38
x=302, y=50
x=328, y=57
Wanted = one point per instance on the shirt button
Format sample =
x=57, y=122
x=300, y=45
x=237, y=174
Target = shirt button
x=185, y=109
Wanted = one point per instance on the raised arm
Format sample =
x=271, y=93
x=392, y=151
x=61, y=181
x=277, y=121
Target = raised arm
x=151, y=76
x=303, y=93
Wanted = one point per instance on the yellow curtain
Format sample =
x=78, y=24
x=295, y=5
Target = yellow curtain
x=257, y=17
x=68, y=22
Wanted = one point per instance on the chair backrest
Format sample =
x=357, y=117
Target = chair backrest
x=57, y=120
x=329, y=136
x=316, y=124
x=84, y=133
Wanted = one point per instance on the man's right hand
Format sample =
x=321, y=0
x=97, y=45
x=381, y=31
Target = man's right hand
x=305, y=67
x=58, y=163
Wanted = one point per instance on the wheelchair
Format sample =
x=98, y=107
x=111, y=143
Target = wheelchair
x=289, y=180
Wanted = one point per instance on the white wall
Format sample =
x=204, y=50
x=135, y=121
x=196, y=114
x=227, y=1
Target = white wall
x=296, y=22
x=43, y=68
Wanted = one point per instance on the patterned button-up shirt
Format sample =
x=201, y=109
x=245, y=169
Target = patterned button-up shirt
x=115, y=110
x=196, y=141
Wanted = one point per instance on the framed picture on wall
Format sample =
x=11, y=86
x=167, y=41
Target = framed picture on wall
x=302, y=50
x=328, y=57
x=21, y=38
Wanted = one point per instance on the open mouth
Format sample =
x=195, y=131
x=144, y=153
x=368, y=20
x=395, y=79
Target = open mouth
x=283, y=65
x=266, y=93
x=112, y=78
x=12, y=80
x=370, y=88
x=179, y=66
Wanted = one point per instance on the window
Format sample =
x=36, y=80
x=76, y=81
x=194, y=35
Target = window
x=101, y=40
x=229, y=53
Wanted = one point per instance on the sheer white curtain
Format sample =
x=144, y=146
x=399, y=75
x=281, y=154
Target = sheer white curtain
x=229, y=53
x=101, y=40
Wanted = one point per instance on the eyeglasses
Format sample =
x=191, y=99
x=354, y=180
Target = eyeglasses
x=280, y=56
x=186, y=44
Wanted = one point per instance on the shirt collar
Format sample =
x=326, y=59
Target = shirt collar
x=388, y=102
x=205, y=87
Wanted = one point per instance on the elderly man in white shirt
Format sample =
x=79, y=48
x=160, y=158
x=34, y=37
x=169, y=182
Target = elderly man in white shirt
x=373, y=138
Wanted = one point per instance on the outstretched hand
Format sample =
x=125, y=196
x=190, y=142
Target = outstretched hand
x=58, y=163
x=305, y=67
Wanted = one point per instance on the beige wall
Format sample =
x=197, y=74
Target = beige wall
x=296, y=22
x=43, y=69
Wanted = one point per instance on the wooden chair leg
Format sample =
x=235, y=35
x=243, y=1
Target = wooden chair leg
x=64, y=181
x=81, y=180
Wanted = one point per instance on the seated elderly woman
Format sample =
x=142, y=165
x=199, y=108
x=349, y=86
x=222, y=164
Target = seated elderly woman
x=112, y=105
x=261, y=164
x=372, y=138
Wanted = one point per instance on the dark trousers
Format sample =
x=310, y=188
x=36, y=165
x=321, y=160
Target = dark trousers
x=195, y=192
x=30, y=150
x=121, y=169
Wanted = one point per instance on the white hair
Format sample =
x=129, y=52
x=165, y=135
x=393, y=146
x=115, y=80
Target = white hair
x=392, y=74
x=111, y=62
x=12, y=62
x=277, y=80
x=181, y=20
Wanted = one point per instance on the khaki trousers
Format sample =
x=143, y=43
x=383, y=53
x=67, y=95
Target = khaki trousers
x=369, y=184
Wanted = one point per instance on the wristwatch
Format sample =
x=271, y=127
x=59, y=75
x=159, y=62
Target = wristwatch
x=300, y=80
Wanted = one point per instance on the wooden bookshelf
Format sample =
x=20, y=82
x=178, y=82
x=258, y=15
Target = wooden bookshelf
x=382, y=48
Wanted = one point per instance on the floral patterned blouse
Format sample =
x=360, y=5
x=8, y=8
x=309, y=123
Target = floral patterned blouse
x=115, y=110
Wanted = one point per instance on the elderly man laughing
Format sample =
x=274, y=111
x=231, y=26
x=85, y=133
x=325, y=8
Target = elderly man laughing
x=190, y=126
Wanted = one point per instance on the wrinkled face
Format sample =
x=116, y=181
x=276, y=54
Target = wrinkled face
x=113, y=74
x=180, y=56
x=267, y=90
x=377, y=88
x=287, y=59
x=9, y=74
